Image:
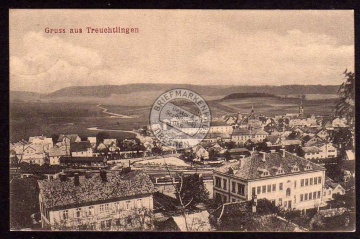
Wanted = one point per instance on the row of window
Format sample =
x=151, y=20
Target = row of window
x=89, y=211
x=310, y=196
x=310, y=181
x=266, y=188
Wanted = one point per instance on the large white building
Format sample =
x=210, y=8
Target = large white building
x=285, y=179
x=99, y=202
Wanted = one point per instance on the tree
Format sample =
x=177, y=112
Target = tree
x=101, y=136
x=192, y=190
x=345, y=105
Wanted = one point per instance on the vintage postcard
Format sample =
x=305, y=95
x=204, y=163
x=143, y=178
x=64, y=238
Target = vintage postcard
x=182, y=120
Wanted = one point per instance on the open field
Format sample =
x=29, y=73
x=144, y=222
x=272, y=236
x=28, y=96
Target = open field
x=29, y=119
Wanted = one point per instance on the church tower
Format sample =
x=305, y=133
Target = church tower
x=301, y=107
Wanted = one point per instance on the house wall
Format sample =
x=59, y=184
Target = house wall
x=95, y=213
x=279, y=197
x=87, y=153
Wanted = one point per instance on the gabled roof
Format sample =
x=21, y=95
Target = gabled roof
x=58, y=194
x=72, y=137
x=249, y=168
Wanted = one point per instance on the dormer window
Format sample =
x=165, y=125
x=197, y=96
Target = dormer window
x=308, y=167
x=295, y=168
x=263, y=172
x=280, y=171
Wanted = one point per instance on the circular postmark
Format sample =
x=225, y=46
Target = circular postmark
x=180, y=118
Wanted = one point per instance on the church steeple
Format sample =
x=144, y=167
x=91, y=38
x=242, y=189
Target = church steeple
x=301, y=107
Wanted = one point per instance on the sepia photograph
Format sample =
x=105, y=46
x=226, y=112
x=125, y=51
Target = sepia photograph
x=182, y=120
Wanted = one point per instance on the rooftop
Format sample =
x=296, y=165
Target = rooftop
x=80, y=146
x=249, y=168
x=58, y=194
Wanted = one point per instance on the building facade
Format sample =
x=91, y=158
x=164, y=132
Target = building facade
x=287, y=180
x=87, y=204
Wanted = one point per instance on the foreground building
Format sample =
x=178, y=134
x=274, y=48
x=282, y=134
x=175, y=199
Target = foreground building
x=105, y=201
x=286, y=180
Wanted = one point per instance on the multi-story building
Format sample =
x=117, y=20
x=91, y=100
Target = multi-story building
x=105, y=201
x=320, y=151
x=285, y=179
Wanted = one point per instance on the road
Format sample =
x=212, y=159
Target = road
x=113, y=114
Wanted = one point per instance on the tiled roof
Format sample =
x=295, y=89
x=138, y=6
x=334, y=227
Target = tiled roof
x=216, y=135
x=273, y=138
x=261, y=132
x=56, y=151
x=312, y=149
x=58, y=194
x=80, y=146
x=239, y=132
x=250, y=166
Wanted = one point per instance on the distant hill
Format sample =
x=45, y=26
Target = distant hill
x=145, y=94
x=25, y=96
x=247, y=95
x=107, y=90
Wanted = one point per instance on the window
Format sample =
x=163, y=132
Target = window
x=65, y=214
x=280, y=201
x=269, y=188
x=319, y=180
x=280, y=186
x=315, y=180
x=253, y=191
x=106, y=207
x=314, y=195
x=295, y=184
x=264, y=189
x=233, y=184
x=306, y=196
x=306, y=182
x=311, y=181
x=274, y=187
x=78, y=212
x=127, y=207
x=324, y=193
x=301, y=197
x=217, y=182
x=310, y=196
x=288, y=192
x=285, y=204
x=241, y=189
x=273, y=202
x=258, y=190
x=90, y=212
x=225, y=183
x=302, y=183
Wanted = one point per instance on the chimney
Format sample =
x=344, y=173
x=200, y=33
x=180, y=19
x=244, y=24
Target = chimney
x=103, y=175
x=76, y=179
x=264, y=155
x=254, y=204
x=283, y=152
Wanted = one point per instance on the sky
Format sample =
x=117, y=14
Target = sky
x=203, y=47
